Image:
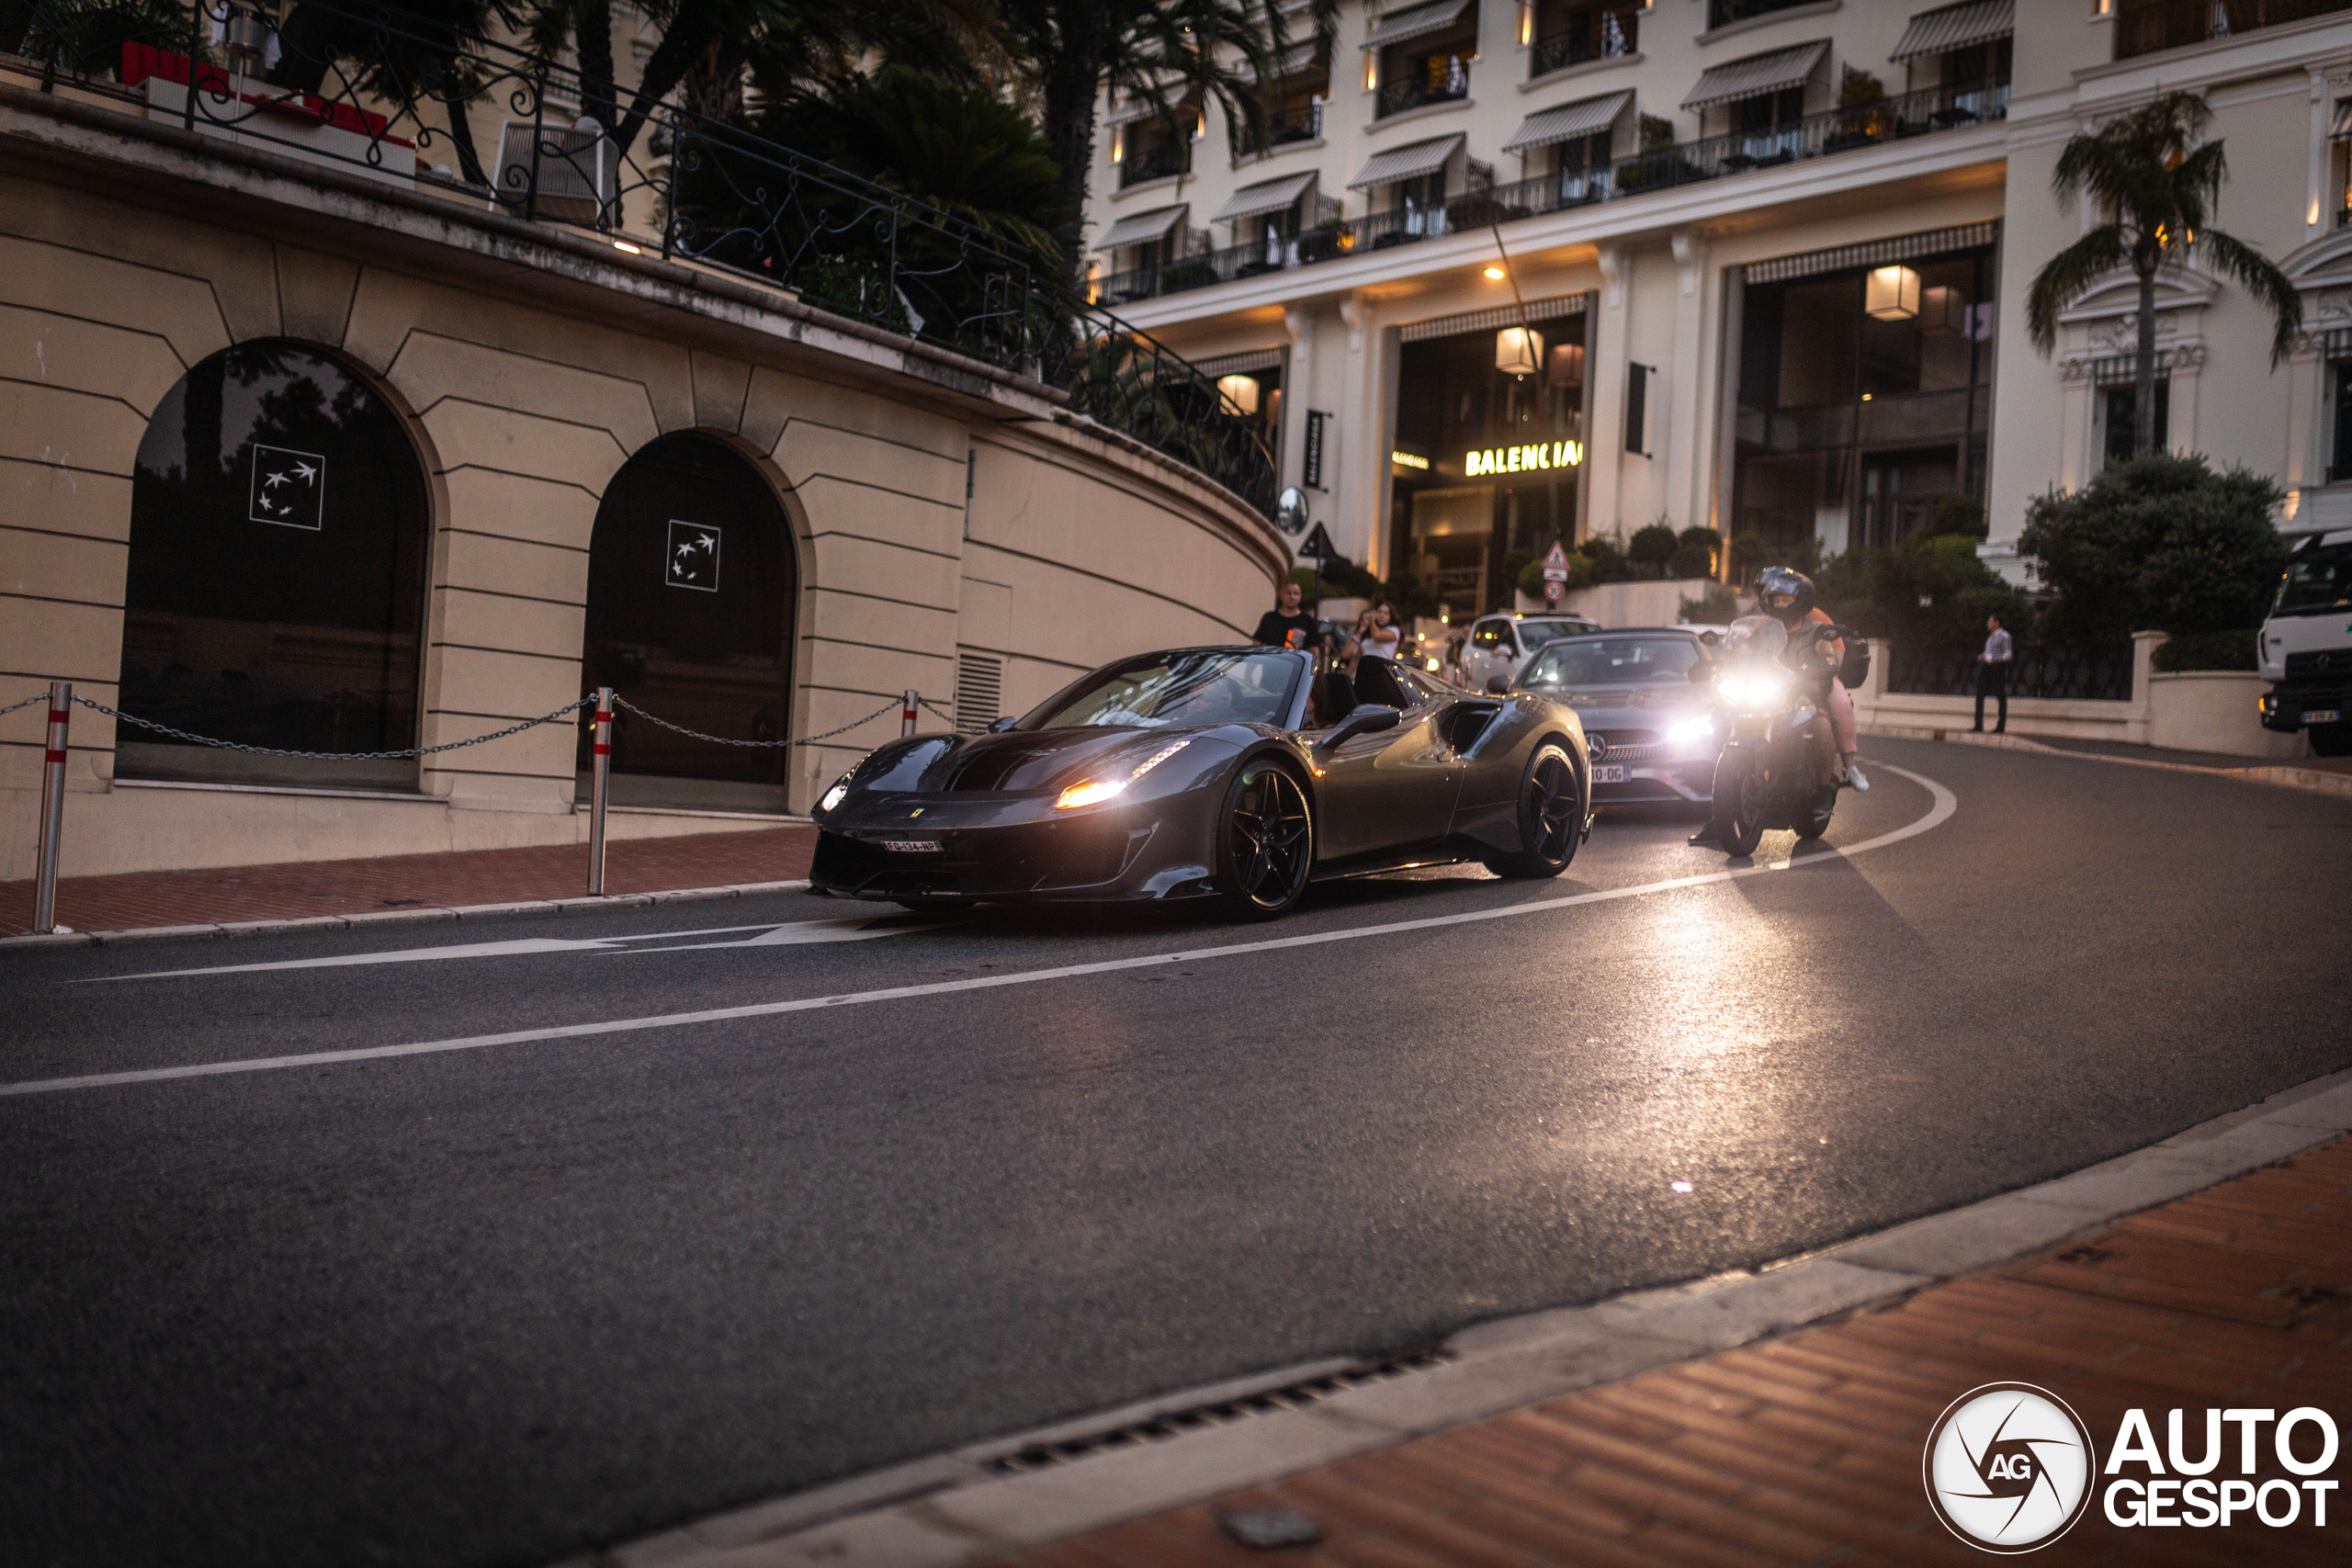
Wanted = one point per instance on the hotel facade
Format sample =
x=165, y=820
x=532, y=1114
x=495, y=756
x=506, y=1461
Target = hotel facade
x=1519, y=272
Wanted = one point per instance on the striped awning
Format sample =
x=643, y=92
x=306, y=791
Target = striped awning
x=1407, y=163
x=1141, y=108
x=1398, y=26
x=1256, y=201
x=1584, y=118
x=1956, y=27
x=1143, y=227
x=1298, y=57
x=1757, y=76
x=2339, y=129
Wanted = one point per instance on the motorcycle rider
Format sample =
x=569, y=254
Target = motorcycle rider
x=1787, y=595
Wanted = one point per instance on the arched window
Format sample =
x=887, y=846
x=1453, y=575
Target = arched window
x=275, y=593
x=690, y=592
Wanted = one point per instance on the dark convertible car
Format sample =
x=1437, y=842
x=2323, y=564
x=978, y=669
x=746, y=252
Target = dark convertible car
x=1234, y=773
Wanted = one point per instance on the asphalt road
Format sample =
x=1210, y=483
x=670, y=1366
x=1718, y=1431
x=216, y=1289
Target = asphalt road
x=503, y=1303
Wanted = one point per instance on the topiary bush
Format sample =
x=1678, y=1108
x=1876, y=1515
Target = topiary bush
x=2208, y=650
x=2157, y=543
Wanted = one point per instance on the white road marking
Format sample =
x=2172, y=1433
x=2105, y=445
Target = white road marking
x=854, y=927
x=1944, y=803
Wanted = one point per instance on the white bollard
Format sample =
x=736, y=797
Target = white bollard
x=600, y=772
x=906, y=713
x=52, y=807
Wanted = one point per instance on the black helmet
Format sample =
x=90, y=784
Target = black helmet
x=1785, y=580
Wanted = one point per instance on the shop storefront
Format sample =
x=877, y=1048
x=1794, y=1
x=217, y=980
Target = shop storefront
x=1865, y=388
x=1487, y=461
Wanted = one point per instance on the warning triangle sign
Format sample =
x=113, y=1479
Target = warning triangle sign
x=1556, y=559
x=1318, y=545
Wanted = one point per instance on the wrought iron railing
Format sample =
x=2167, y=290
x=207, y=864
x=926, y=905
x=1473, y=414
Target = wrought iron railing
x=2143, y=26
x=1416, y=90
x=1723, y=13
x=1840, y=131
x=1297, y=122
x=1155, y=163
x=1604, y=33
x=2101, y=672
x=395, y=96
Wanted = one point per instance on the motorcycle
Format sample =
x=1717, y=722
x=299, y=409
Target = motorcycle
x=1778, y=767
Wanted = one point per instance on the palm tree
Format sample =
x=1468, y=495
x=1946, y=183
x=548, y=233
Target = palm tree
x=1164, y=51
x=2156, y=184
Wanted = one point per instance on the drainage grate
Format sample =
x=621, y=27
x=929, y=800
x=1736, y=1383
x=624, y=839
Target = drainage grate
x=1202, y=1417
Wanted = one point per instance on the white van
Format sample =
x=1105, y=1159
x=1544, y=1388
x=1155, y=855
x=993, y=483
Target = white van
x=2306, y=645
x=1499, y=644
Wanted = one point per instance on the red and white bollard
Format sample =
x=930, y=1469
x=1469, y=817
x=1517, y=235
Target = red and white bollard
x=52, y=807
x=600, y=771
x=906, y=713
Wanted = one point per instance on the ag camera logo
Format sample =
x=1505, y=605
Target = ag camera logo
x=2009, y=1467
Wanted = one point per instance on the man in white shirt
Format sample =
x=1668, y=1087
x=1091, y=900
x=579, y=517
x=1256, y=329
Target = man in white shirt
x=1993, y=674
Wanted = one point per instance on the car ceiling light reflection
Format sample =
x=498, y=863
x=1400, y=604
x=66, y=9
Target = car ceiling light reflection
x=1680, y=1186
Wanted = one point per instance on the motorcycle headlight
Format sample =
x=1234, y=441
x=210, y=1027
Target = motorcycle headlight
x=1692, y=732
x=1751, y=691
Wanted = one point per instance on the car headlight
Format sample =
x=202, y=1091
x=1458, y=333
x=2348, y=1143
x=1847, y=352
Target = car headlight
x=1751, y=691
x=1093, y=791
x=835, y=795
x=1691, y=731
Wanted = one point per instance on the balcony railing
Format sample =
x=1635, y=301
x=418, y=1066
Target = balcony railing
x=1155, y=163
x=395, y=98
x=1603, y=35
x=1416, y=90
x=1816, y=136
x=1299, y=122
x=2143, y=26
x=1723, y=13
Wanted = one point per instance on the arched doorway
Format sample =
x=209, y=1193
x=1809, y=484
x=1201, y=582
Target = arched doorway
x=276, y=583
x=690, y=595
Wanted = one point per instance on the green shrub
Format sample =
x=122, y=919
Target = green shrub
x=1529, y=578
x=2208, y=650
x=1652, y=548
x=2158, y=543
x=1960, y=513
x=1717, y=607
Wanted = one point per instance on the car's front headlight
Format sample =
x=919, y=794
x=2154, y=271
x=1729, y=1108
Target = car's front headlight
x=1692, y=732
x=1093, y=791
x=835, y=795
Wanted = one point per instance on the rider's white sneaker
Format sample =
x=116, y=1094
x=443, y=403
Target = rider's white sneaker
x=1856, y=781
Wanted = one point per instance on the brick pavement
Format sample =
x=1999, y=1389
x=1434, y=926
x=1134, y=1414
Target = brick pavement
x=1807, y=1448
x=295, y=889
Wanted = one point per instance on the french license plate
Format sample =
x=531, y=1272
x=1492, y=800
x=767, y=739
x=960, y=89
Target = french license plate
x=2323, y=716
x=1610, y=773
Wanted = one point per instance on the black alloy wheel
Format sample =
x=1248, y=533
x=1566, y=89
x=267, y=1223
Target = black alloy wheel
x=1551, y=817
x=1739, y=790
x=1265, y=841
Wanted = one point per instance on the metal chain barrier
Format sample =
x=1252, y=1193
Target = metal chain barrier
x=36, y=697
x=942, y=711
x=334, y=756
x=723, y=741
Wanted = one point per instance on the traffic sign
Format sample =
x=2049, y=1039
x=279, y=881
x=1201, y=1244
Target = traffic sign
x=1555, y=568
x=1555, y=590
x=1318, y=545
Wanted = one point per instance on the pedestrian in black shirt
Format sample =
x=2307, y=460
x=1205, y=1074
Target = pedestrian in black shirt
x=1286, y=625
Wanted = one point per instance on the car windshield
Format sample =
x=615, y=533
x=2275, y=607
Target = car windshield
x=2318, y=581
x=1613, y=662
x=1163, y=690
x=1535, y=634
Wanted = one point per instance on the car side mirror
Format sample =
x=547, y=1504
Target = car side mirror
x=1002, y=725
x=1498, y=687
x=1369, y=719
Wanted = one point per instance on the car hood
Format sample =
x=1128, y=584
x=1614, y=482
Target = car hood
x=1650, y=702
x=1018, y=762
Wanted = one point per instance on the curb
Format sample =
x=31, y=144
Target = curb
x=581, y=906
x=969, y=1506
x=2315, y=780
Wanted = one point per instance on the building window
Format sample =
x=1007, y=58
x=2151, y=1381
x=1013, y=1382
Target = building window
x=1851, y=426
x=1156, y=147
x=691, y=587
x=1503, y=455
x=1575, y=34
x=1723, y=13
x=1295, y=104
x=2119, y=408
x=1584, y=169
x=276, y=588
x=1427, y=71
x=2339, y=457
